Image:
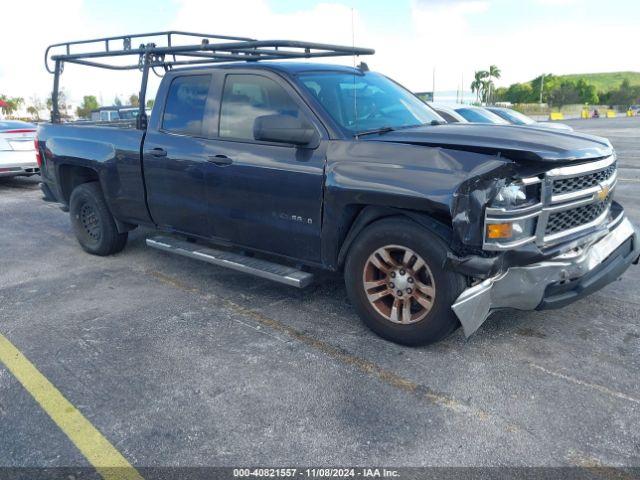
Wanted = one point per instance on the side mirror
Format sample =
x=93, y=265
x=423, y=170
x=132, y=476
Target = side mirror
x=285, y=129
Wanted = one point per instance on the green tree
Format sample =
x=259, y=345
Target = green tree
x=62, y=101
x=117, y=102
x=150, y=103
x=587, y=92
x=547, y=82
x=10, y=105
x=565, y=94
x=35, y=106
x=33, y=111
x=520, y=93
x=487, y=89
x=500, y=94
x=479, y=84
x=89, y=103
x=134, y=101
x=624, y=95
x=494, y=72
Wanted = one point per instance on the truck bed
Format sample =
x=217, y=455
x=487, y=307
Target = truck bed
x=111, y=153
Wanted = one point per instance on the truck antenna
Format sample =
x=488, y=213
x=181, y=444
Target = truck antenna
x=355, y=92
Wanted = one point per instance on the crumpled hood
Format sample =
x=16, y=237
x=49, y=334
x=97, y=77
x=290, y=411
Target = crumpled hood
x=514, y=142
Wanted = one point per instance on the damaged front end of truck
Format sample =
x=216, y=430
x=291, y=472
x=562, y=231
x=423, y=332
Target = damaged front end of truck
x=538, y=236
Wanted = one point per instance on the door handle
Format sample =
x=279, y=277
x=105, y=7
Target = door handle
x=157, y=152
x=220, y=160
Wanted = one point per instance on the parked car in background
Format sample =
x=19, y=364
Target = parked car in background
x=479, y=115
x=105, y=114
x=17, y=149
x=516, y=118
x=116, y=114
x=448, y=113
x=131, y=113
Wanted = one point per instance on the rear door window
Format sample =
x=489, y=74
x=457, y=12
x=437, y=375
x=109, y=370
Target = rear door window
x=185, y=106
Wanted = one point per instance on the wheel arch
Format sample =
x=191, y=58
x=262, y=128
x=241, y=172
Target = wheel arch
x=70, y=176
x=369, y=214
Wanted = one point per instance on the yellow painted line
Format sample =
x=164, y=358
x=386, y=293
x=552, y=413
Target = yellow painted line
x=103, y=456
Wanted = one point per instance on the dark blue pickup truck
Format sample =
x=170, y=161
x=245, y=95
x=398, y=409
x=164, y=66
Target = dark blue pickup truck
x=278, y=168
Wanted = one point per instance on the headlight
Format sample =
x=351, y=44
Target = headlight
x=511, y=216
x=517, y=195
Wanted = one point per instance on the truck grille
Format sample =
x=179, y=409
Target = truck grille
x=575, y=217
x=573, y=199
x=582, y=182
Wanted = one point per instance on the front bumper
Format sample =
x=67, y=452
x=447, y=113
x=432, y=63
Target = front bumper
x=552, y=283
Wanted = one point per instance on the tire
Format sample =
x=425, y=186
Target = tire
x=92, y=221
x=429, y=290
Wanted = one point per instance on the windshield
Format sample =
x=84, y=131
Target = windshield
x=478, y=115
x=369, y=101
x=514, y=117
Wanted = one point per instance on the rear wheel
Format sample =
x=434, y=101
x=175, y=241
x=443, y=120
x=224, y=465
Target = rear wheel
x=92, y=222
x=396, y=282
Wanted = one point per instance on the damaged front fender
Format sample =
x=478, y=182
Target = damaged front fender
x=471, y=198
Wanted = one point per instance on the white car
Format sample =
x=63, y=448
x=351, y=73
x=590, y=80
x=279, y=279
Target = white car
x=17, y=149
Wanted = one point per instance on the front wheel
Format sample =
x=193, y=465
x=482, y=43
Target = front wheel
x=92, y=221
x=395, y=280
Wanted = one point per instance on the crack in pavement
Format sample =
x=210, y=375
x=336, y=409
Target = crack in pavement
x=596, y=466
x=595, y=386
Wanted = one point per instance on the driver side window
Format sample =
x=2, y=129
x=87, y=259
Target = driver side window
x=246, y=97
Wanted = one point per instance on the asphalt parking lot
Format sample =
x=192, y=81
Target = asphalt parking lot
x=179, y=363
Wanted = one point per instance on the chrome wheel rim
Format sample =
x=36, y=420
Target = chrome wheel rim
x=399, y=284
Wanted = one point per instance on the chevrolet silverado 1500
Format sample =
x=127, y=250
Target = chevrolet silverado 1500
x=276, y=168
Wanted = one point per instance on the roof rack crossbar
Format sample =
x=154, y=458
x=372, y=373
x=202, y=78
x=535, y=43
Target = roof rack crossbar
x=127, y=39
x=167, y=49
x=273, y=49
x=202, y=59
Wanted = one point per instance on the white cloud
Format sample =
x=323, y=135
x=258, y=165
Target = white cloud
x=555, y=3
x=521, y=49
x=441, y=34
x=324, y=22
x=25, y=38
x=44, y=22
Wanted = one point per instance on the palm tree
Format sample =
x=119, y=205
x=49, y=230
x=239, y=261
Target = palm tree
x=494, y=72
x=487, y=89
x=478, y=84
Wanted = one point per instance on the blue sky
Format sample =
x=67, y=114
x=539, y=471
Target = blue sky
x=411, y=37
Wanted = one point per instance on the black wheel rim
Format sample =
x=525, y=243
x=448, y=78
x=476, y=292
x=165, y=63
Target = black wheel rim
x=90, y=221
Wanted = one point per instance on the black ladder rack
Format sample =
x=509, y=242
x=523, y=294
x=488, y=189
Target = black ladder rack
x=174, y=48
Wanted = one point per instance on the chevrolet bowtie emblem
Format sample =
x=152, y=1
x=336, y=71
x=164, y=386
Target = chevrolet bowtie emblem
x=603, y=193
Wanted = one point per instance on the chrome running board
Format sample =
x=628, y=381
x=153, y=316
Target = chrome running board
x=253, y=266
